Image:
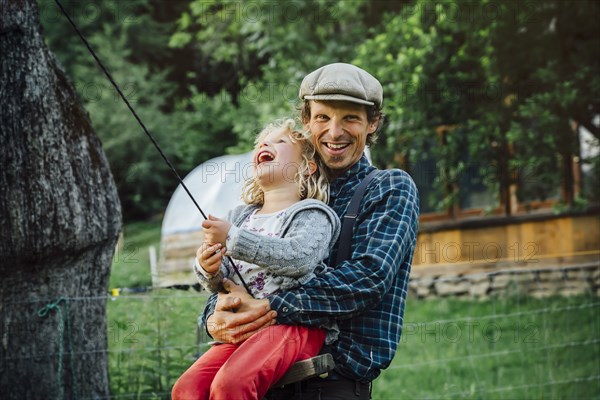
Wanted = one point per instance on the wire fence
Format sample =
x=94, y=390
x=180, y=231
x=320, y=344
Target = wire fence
x=499, y=347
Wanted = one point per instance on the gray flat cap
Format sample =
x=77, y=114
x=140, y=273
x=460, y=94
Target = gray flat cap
x=341, y=81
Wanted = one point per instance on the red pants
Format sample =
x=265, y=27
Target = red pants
x=246, y=371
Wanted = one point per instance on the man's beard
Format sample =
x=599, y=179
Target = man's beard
x=336, y=159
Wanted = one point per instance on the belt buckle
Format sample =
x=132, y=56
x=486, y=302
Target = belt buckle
x=331, y=376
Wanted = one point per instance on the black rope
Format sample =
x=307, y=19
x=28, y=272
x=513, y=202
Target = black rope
x=154, y=142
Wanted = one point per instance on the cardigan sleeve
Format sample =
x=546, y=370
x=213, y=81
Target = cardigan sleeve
x=210, y=283
x=294, y=255
x=214, y=283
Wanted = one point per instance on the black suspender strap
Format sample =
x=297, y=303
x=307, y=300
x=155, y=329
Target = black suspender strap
x=350, y=217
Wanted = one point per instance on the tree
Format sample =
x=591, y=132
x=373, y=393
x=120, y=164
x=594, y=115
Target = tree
x=258, y=52
x=488, y=91
x=60, y=220
x=132, y=39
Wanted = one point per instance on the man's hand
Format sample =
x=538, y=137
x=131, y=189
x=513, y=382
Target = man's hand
x=215, y=230
x=250, y=316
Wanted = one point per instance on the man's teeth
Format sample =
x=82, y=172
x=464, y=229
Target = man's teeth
x=336, y=146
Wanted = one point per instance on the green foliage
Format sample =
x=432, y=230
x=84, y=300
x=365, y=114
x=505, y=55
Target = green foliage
x=264, y=48
x=478, y=95
x=132, y=42
x=434, y=68
x=518, y=75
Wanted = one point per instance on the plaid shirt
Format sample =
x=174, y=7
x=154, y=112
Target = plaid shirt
x=366, y=295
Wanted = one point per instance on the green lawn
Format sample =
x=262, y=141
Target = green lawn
x=514, y=348
x=152, y=340
x=131, y=265
x=517, y=348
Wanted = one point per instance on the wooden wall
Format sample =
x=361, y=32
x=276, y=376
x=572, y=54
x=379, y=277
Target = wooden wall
x=520, y=240
x=177, y=252
x=450, y=247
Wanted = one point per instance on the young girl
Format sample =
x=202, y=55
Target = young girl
x=286, y=207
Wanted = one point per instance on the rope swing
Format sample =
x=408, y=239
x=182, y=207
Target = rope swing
x=138, y=119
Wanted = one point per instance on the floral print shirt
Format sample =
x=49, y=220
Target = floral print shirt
x=259, y=279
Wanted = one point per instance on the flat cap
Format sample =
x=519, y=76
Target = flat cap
x=342, y=81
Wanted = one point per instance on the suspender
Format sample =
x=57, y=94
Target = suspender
x=349, y=219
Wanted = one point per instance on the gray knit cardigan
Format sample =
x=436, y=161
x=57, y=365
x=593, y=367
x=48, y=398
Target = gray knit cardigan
x=309, y=230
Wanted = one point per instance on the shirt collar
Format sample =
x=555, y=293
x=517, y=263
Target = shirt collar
x=356, y=173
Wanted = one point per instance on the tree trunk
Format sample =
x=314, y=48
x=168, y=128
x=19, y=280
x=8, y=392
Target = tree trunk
x=60, y=217
x=566, y=148
x=505, y=177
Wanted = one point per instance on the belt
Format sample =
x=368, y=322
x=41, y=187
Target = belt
x=333, y=385
x=332, y=375
x=338, y=379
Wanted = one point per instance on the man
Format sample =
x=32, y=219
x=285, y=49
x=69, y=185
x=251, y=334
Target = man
x=364, y=295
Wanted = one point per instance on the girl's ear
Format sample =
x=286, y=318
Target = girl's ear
x=312, y=168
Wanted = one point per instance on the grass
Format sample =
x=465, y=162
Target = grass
x=152, y=340
x=515, y=348
x=502, y=348
x=131, y=264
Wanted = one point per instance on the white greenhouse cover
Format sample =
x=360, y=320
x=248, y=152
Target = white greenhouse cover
x=216, y=186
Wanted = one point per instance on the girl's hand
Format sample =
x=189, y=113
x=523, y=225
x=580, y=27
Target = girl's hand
x=210, y=256
x=215, y=230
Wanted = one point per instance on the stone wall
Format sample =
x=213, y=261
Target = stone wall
x=537, y=282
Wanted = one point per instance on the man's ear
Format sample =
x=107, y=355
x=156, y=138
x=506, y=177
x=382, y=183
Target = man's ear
x=312, y=168
x=372, y=127
x=306, y=124
x=306, y=118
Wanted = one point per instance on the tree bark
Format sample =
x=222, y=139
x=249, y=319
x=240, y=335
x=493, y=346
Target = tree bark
x=60, y=217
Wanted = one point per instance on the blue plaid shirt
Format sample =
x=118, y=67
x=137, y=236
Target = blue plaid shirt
x=366, y=295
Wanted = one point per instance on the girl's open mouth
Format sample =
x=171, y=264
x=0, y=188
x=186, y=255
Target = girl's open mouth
x=264, y=156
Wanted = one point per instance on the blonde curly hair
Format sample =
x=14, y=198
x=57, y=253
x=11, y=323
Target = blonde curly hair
x=310, y=186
